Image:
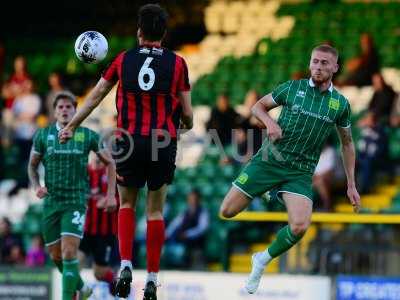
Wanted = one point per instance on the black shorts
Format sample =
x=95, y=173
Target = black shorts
x=104, y=249
x=145, y=163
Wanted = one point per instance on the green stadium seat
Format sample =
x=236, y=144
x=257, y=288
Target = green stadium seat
x=32, y=225
x=394, y=144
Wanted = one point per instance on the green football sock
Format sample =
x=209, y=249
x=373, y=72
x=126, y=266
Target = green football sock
x=285, y=239
x=59, y=265
x=70, y=278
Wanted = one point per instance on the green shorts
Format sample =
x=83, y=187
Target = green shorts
x=260, y=176
x=62, y=220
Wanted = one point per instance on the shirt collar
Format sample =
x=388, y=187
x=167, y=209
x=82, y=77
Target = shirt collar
x=312, y=84
x=58, y=127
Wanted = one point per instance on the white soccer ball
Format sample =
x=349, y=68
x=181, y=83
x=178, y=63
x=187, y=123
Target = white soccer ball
x=91, y=47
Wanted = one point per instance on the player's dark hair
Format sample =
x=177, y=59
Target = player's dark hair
x=64, y=95
x=152, y=21
x=327, y=49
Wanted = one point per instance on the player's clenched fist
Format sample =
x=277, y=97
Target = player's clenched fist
x=41, y=192
x=274, y=132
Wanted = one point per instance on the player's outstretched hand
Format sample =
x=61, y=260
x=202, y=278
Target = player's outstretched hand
x=354, y=198
x=274, y=131
x=65, y=134
x=41, y=192
x=111, y=203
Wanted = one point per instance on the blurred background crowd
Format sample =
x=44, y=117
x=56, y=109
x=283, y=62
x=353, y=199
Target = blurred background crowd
x=237, y=51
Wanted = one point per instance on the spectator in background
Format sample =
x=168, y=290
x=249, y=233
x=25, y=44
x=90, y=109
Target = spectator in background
x=323, y=176
x=253, y=126
x=25, y=109
x=380, y=105
x=223, y=119
x=2, y=140
x=373, y=144
x=36, y=255
x=2, y=59
x=189, y=230
x=242, y=150
x=14, y=86
x=11, y=250
x=56, y=85
x=361, y=68
x=245, y=143
x=17, y=256
x=395, y=115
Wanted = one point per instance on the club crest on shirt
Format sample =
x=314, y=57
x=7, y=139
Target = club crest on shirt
x=301, y=94
x=79, y=137
x=243, y=178
x=51, y=137
x=334, y=104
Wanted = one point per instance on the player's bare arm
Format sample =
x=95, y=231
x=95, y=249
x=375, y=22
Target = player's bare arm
x=187, y=111
x=349, y=158
x=33, y=174
x=260, y=111
x=98, y=93
x=105, y=157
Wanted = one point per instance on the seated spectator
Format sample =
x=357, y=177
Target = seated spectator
x=2, y=140
x=323, y=176
x=2, y=59
x=11, y=250
x=381, y=104
x=253, y=126
x=242, y=149
x=373, y=144
x=36, y=255
x=245, y=143
x=189, y=230
x=395, y=115
x=223, y=119
x=361, y=68
x=17, y=257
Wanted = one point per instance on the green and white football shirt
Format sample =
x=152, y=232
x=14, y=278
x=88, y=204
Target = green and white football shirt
x=307, y=118
x=65, y=165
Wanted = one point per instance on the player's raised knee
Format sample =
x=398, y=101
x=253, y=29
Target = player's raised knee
x=299, y=228
x=69, y=251
x=55, y=256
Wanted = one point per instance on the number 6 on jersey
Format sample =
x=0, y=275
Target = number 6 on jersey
x=146, y=70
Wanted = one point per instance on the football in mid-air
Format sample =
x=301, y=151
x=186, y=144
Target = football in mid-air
x=91, y=47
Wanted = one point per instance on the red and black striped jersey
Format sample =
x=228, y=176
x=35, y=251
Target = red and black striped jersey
x=150, y=79
x=98, y=221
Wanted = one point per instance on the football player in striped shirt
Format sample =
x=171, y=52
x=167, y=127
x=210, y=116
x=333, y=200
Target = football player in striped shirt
x=153, y=102
x=100, y=230
x=311, y=109
x=66, y=189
